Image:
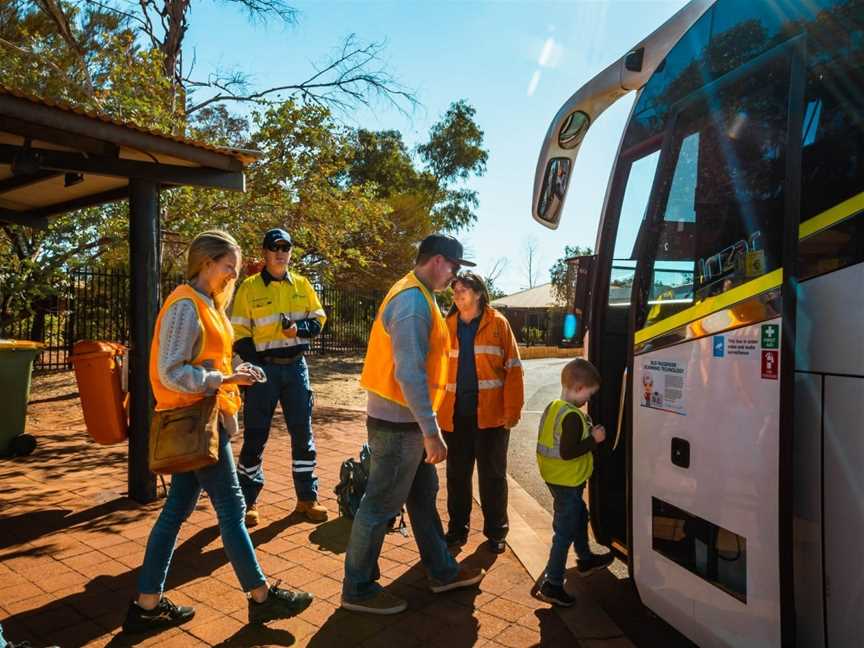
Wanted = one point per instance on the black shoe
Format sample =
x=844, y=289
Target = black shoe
x=554, y=594
x=592, y=564
x=164, y=615
x=455, y=540
x=280, y=604
x=495, y=546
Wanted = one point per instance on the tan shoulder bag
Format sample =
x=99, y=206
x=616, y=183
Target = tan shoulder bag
x=186, y=438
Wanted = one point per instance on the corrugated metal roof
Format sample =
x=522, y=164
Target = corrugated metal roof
x=537, y=297
x=244, y=155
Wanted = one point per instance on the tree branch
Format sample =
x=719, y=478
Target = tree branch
x=26, y=52
x=54, y=11
x=354, y=76
x=260, y=9
x=119, y=12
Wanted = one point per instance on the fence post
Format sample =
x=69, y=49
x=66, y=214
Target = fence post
x=68, y=315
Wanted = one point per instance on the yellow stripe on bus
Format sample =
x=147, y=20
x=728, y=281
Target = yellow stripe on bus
x=820, y=222
x=831, y=216
x=712, y=304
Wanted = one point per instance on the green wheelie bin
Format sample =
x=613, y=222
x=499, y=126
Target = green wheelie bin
x=16, y=367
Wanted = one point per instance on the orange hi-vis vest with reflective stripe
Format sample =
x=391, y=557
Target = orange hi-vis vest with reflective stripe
x=217, y=337
x=379, y=369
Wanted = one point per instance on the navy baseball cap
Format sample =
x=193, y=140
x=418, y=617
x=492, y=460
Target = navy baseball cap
x=274, y=236
x=446, y=246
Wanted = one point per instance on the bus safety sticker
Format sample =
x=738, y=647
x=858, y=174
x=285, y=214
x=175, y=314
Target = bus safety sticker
x=663, y=386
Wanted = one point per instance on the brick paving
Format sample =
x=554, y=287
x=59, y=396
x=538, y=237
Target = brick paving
x=71, y=544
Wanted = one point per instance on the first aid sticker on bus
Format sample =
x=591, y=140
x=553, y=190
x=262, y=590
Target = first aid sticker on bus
x=770, y=336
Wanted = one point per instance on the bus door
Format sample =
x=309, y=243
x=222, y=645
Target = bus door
x=608, y=340
x=711, y=364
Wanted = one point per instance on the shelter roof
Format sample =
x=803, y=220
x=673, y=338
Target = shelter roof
x=56, y=157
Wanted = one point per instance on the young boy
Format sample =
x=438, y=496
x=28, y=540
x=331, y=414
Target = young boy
x=565, y=445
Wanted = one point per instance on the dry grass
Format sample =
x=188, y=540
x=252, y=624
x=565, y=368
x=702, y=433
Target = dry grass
x=334, y=379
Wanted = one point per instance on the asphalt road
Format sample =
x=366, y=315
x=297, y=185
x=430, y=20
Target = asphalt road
x=612, y=589
x=542, y=386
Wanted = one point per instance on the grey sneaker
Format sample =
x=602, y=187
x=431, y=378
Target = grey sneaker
x=382, y=603
x=466, y=577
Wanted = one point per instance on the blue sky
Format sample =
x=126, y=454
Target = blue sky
x=515, y=62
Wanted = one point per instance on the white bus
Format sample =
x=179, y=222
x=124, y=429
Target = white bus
x=733, y=376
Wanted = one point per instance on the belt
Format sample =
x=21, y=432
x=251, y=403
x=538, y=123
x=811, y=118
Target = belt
x=392, y=425
x=282, y=361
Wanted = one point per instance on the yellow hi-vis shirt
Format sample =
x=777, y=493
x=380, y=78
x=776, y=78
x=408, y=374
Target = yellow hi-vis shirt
x=257, y=310
x=554, y=469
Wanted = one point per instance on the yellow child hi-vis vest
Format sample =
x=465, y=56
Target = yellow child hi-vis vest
x=378, y=374
x=554, y=469
x=216, y=341
x=258, y=308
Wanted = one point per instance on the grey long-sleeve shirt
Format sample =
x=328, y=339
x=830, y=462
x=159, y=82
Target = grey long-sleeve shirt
x=408, y=321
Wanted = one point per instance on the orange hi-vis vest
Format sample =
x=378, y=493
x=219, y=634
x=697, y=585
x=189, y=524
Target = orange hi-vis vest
x=379, y=369
x=217, y=337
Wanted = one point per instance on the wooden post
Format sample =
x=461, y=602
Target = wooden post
x=143, y=308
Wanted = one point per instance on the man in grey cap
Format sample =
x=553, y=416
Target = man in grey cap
x=275, y=315
x=405, y=374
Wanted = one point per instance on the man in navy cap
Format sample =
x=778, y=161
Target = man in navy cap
x=405, y=375
x=276, y=314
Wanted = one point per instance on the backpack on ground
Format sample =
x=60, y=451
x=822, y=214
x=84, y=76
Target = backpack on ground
x=353, y=477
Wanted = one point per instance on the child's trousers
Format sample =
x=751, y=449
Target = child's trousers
x=570, y=527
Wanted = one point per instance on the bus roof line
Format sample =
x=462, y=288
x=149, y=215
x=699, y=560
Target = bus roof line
x=608, y=86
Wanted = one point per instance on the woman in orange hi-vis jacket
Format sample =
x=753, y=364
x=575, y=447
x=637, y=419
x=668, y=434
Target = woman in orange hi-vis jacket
x=484, y=398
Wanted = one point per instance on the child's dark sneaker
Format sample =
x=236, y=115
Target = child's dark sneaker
x=280, y=604
x=164, y=615
x=554, y=594
x=594, y=563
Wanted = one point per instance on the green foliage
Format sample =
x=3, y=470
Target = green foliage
x=560, y=275
x=494, y=291
x=532, y=336
x=355, y=201
x=453, y=154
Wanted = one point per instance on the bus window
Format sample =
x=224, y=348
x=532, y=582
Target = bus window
x=633, y=209
x=722, y=215
x=832, y=153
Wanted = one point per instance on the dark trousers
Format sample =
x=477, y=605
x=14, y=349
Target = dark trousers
x=289, y=386
x=488, y=448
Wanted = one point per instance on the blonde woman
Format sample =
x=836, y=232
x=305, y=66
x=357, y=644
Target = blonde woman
x=190, y=358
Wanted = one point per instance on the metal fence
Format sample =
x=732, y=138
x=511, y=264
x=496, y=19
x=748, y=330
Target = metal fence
x=94, y=305
x=536, y=326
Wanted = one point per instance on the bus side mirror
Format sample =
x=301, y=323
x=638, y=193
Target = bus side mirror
x=551, y=198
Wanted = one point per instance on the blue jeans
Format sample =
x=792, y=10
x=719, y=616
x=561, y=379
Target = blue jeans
x=220, y=483
x=569, y=527
x=288, y=385
x=3, y=643
x=398, y=475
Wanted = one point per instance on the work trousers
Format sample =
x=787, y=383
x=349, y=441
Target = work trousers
x=468, y=445
x=288, y=385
